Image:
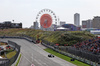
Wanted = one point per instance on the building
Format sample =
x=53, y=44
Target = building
x=71, y=27
x=36, y=25
x=8, y=24
x=62, y=23
x=96, y=22
x=84, y=24
x=87, y=24
x=77, y=19
x=16, y=25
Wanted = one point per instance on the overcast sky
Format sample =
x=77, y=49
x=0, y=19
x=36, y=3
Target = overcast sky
x=25, y=11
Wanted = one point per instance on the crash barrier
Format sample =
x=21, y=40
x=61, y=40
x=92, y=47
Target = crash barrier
x=1, y=48
x=9, y=62
x=30, y=39
x=82, y=56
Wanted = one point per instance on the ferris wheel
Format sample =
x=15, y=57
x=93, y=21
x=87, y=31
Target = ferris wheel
x=46, y=18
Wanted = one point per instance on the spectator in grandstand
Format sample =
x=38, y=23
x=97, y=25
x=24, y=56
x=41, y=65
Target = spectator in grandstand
x=92, y=45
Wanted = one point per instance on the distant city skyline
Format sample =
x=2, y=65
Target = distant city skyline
x=25, y=11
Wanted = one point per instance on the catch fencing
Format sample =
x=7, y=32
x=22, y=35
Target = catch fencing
x=84, y=54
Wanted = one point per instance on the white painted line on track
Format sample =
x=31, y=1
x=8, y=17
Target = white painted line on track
x=42, y=62
x=37, y=61
x=27, y=59
x=32, y=57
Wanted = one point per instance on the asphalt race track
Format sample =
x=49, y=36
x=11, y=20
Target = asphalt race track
x=34, y=54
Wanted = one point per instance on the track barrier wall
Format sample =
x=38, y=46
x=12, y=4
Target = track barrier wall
x=9, y=62
x=80, y=55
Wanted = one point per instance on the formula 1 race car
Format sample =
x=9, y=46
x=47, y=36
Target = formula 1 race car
x=50, y=55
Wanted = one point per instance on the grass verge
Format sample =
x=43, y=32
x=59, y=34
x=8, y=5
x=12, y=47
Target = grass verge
x=11, y=54
x=18, y=60
x=76, y=62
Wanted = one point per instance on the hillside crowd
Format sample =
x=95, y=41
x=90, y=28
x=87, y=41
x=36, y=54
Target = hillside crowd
x=92, y=45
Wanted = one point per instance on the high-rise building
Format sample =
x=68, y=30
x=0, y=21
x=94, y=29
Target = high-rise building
x=84, y=24
x=96, y=22
x=36, y=25
x=87, y=24
x=77, y=19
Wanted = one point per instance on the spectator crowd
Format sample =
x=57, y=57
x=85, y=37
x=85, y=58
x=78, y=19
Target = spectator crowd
x=91, y=45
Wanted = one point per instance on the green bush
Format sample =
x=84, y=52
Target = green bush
x=61, y=37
